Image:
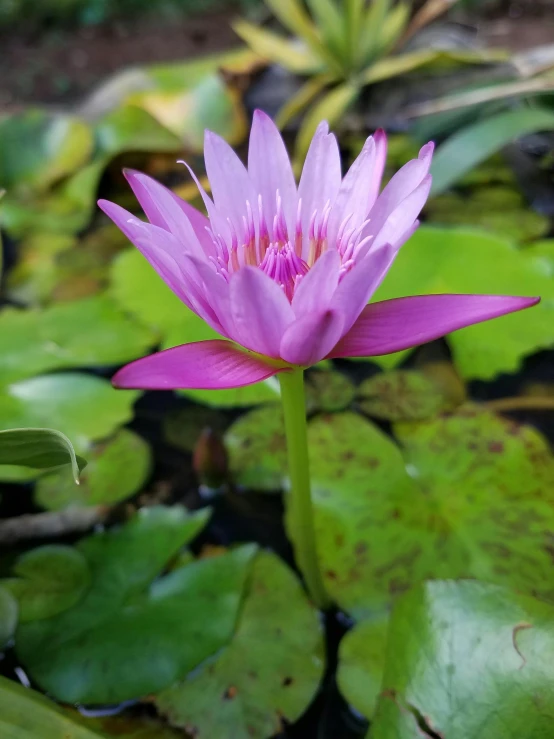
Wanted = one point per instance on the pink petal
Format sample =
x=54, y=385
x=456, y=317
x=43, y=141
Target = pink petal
x=321, y=175
x=380, y=138
x=317, y=287
x=310, y=338
x=217, y=223
x=146, y=190
x=260, y=310
x=393, y=325
x=204, y=365
x=270, y=170
x=231, y=184
x=398, y=226
x=357, y=286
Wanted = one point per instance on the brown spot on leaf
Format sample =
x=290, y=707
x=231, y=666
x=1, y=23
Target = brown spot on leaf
x=230, y=693
x=287, y=681
x=516, y=630
x=496, y=447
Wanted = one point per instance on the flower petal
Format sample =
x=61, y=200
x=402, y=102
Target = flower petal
x=270, y=170
x=393, y=325
x=260, y=310
x=381, y=145
x=317, y=287
x=399, y=225
x=311, y=338
x=204, y=365
x=146, y=192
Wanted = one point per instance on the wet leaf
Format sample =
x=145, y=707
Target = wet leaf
x=117, y=467
x=84, y=654
x=47, y=581
x=328, y=391
x=92, y=331
x=26, y=714
x=257, y=449
x=39, y=148
x=402, y=395
x=362, y=653
x=268, y=673
x=8, y=617
x=453, y=645
x=40, y=449
x=445, y=260
x=471, y=496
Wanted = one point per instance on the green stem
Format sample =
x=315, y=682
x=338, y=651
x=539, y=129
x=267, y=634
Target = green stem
x=299, y=510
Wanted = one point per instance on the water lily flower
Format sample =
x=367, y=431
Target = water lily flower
x=285, y=273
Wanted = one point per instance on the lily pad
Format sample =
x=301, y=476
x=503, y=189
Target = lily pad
x=127, y=727
x=464, y=261
x=85, y=654
x=93, y=331
x=327, y=390
x=470, y=497
x=362, y=653
x=83, y=407
x=39, y=148
x=543, y=253
x=468, y=659
x=268, y=673
x=117, y=468
x=257, y=449
x=26, y=714
x=47, y=581
x=8, y=616
x=401, y=395
x=132, y=129
x=39, y=449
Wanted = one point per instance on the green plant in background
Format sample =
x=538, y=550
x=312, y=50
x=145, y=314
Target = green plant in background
x=343, y=48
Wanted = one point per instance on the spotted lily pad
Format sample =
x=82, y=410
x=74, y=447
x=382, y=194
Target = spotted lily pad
x=327, y=390
x=401, y=395
x=270, y=671
x=468, y=659
x=257, y=449
x=471, y=496
x=439, y=260
x=163, y=629
x=8, y=617
x=117, y=468
x=48, y=580
x=93, y=331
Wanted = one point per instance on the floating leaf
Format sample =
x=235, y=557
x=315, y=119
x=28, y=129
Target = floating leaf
x=543, y=253
x=402, y=395
x=8, y=618
x=328, y=391
x=39, y=449
x=39, y=148
x=127, y=727
x=464, y=261
x=477, y=502
x=26, y=714
x=268, y=673
x=457, y=645
x=47, y=581
x=93, y=331
x=361, y=661
x=84, y=654
x=117, y=468
x=257, y=449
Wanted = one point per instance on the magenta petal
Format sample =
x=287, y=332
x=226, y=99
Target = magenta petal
x=380, y=138
x=204, y=365
x=270, y=170
x=311, y=338
x=399, y=225
x=260, y=310
x=393, y=325
x=318, y=286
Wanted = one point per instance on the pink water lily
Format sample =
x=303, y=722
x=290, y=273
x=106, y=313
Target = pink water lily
x=283, y=272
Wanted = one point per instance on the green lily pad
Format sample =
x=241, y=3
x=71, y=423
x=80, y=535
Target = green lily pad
x=127, y=727
x=257, y=449
x=362, y=655
x=39, y=148
x=401, y=395
x=468, y=660
x=543, y=253
x=83, y=407
x=133, y=129
x=117, y=467
x=328, y=391
x=84, y=654
x=93, y=331
x=39, y=449
x=8, y=617
x=182, y=428
x=268, y=673
x=26, y=714
x=48, y=580
x=465, y=261
x=470, y=497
